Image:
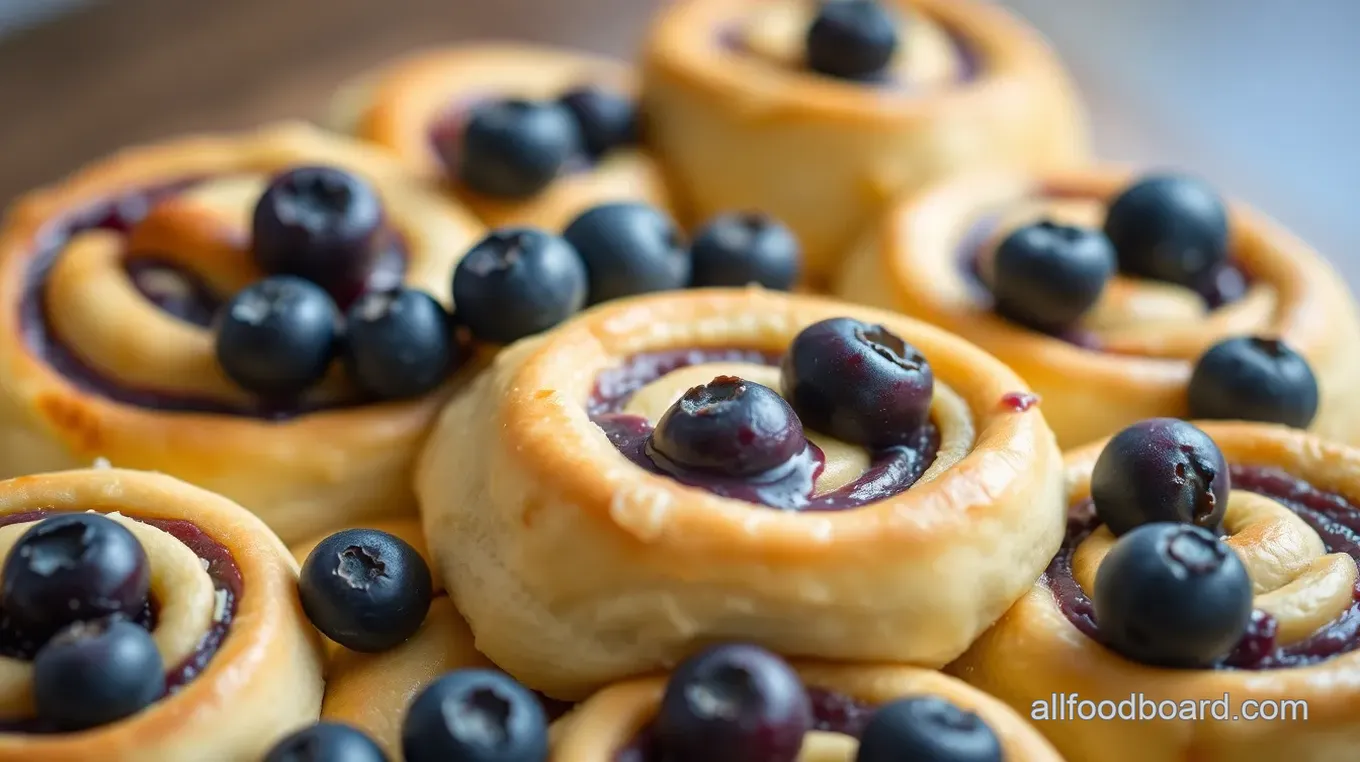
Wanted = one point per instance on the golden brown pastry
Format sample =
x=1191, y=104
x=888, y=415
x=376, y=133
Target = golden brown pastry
x=937, y=717
x=420, y=108
x=240, y=661
x=108, y=285
x=740, y=111
x=1132, y=351
x=1238, y=649
x=592, y=519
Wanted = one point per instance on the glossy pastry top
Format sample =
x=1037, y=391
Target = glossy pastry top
x=1191, y=556
x=740, y=703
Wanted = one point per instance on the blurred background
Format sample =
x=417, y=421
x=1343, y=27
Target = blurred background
x=1259, y=96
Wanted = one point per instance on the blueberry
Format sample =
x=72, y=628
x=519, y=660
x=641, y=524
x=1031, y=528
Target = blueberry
x=1047, y=276
x=743, y=248
x=74, y=567
x=728, y=426
x=857, y=382
x=1170, y=228
x=733, y=703
x=399, y=344
x=475, y=715
x=1254, y=379
x=852, y=39
x=319, y=223
x=512, y=148
x=930, y=729
x=326, y=742
x=367, y=590
x=517, y=282
x=277, y=337
x=95, y=672
x=1172, y=595
x=606, y=120
x=629, y=249
x=1160, y=469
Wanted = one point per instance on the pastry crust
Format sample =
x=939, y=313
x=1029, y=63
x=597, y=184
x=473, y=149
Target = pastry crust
x=1034, y=652
x=603, y=726
x=396, y=107
x=302, y=474
x=263, y=682
x=575, y=568
x=912, y=262
x=728, y=122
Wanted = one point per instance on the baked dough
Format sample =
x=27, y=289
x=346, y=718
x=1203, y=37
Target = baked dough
x=740, y=123
x=302, y=474
x=599, y=729
x=397, y=106
x=913, y=262
x=575, y=567
x=1035, y=653
x=263, y=682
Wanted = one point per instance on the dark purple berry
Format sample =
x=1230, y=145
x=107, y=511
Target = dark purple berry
x=629, y=249
x=745, y=248
x=400, y=344
x=517, y=282
x=95, y=672
x=929, y=729
x=1172, y=595
x=276, y=338
x=1250, y=378
x=1047, y=276
x=74, y=567
x=728, y=426
x=326, y=742
x=367, y=590
x=858, y=382
x=1170, y=228
x=475, y=715
x=512, y=148
x=606, y=120
x=852, y=39
x=1160, y=469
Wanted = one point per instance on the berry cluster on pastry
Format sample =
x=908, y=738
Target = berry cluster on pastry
x=807, y=394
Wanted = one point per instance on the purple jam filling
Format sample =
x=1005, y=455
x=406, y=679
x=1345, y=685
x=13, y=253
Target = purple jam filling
x=226, y=580
x=789, y=487
x=191, y=301
x=832, y=712
x=1226, y=284
x=1333, y=517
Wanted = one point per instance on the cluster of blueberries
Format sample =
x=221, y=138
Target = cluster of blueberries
x=1172, y=229
x=1170, y=592
x=75, y=600
x=370, y=591
x=320, y=234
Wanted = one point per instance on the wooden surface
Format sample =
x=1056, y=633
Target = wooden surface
x=129, y=71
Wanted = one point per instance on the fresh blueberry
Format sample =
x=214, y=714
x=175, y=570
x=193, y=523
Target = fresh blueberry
x=95, y=672
x=1047, y=276
x=1172, y=595
x=629, y=249
x=1170, y=228
x=606, y=120
x=475, y=715
x=276, y=338
x=857, y=382
x=326, y=742
x=852, y=39
x=744, y=248
x=399, y=343
x=1160, y=469
x=930, y=729
x=74, y=567
x=729, y=426
x=319, y=223
x=1254, y=379
x=518, y=282
x=512, y=148
x=367, y=590
x=733, y=703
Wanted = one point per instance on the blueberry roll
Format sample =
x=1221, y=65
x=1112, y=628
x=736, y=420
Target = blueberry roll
x=773, y=711
x=521, y=134
x=263, y=314
x=1207, y=582
x=146, y=620
x=823, y=112
x=1122, y=296
x=667, y=470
